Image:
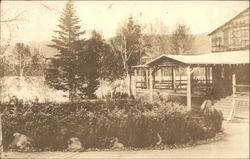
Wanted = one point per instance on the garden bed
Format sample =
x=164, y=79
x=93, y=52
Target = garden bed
x=136, y=124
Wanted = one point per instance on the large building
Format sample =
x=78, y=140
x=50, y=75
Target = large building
x=226, y=72
x=233, y=35
x=230, y=37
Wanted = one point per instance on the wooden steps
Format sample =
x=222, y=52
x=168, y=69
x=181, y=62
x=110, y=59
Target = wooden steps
x=241, y=107
x=225, y=105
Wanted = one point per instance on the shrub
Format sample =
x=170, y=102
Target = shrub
x=135, y=123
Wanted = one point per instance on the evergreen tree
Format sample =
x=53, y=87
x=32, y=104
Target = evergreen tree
x=63, y=71
x=97, y=61
x=89, y=62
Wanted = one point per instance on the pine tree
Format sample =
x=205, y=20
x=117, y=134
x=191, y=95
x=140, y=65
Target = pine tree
x=63, y=71
x=90, y=63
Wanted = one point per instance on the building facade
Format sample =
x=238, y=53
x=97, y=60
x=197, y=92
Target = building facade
x=233, y=35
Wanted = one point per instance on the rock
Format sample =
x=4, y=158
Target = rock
x=74, y=144
x=20, y=142
x=116, y=144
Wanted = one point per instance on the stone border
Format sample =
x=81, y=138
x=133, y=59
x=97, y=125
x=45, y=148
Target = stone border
x=219, y=136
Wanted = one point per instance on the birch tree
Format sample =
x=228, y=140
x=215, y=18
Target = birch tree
x=128, y=44
x=23, y=61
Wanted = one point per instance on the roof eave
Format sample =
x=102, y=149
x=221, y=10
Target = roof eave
x=229, y=21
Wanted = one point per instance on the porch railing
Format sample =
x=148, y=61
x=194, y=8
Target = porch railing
x=241, y=89
x=179, y=85
x=240, y=94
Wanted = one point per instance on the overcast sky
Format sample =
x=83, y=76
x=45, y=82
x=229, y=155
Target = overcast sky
x=42, y=16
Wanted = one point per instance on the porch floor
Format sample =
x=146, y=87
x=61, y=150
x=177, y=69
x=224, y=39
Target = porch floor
x=182, y=93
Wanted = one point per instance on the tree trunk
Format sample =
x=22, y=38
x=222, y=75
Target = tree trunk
x=128, y=79
x=21, y=74
x=1, y=137
x=1, y=88
x=72, y=93
x=21, y=81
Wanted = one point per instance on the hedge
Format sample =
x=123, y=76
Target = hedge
x=135, y=123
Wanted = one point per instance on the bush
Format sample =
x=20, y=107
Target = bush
x=135, y=123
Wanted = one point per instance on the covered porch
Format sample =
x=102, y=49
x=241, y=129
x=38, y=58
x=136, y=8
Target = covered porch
x=186, y=76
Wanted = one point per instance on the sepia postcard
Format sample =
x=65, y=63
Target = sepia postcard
x=124, y=79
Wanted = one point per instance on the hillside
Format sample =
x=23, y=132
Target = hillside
x=201, y=45
x=44, y=48
x=41, y=46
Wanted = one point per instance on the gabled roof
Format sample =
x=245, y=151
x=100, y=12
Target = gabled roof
x=238, y=15
x=230, y=57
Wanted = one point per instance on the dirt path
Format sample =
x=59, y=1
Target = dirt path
x=235, y=145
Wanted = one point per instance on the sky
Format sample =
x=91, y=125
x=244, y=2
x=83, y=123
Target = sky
x=41, y=17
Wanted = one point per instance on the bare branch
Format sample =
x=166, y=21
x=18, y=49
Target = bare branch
x=15, y=18
x=5, y=47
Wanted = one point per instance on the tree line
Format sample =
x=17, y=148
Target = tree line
x=81, y=63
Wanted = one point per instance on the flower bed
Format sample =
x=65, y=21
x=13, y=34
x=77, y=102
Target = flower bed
x=134, y=123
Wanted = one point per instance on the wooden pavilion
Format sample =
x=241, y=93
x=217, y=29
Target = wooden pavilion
x=181, y=79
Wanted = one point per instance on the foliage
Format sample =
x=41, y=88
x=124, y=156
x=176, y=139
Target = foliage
x=127, y=43
x=181, y=40
x=97, y=61
x=69, y=30
x=156, y=41
x=95, y=123
x=81, y=64
x=63, y=71
x=89, y=62
x=154, y=46
x=111, y=64
x=23, y=61
x=9, y=26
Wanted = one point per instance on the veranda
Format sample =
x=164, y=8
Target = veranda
x=187, y=76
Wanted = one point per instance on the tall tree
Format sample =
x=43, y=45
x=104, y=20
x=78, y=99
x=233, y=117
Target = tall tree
x=8, y=26
x=63, y=71
x=156, y=40
x=97, y=62
x=6, y=32
x=128, y=44
x=181, y=40
x=89, y=62
x=23, y=61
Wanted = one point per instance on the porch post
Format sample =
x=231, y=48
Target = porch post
x=160, y=74
x=135, y=80
x=147, y=78
x=206, y=76
x=188, y=88
x=209, y=78
x=231, y=115
x=180, y=76
x=1, y=137
x=173, y=79
x=234, y=83
x=150, y=85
